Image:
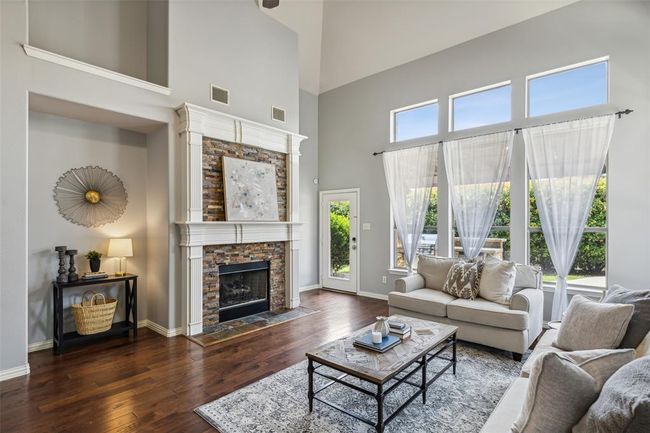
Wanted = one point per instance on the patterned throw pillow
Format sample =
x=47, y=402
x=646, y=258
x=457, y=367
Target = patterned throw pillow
x=463, y=280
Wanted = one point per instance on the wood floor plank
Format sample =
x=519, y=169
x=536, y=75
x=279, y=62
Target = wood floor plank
x=153, y=384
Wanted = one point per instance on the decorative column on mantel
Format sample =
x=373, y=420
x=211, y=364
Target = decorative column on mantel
x=194, y=123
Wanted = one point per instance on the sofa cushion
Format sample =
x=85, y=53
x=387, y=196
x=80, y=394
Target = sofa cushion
x=558, y=395
x=508, y=408
x=497, y=281
x=425, y=301
x=488, y=313
x=639, y=325
x=527, y=277
x=623, y=404
x=434, y=270
x=600, y=363
x=463, y=279
x=643, y=349
x=544, y=345
x=592, y=325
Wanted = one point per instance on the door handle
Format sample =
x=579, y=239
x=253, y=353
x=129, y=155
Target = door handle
x=354, y=239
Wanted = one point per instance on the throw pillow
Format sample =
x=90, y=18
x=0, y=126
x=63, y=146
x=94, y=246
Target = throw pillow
x=623, y=404
x=434, y=270
x=463, y=280
x=558, y=395
x=640, y=323
x=589, y=325
x=497, y=281
x=643, y=349
x=600, y=363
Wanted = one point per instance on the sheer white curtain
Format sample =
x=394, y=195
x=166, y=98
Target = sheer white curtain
x=476, y=170
x=410, y=175
x=565, y=161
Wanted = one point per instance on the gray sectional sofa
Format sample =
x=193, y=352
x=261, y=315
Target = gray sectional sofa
x=512, y=327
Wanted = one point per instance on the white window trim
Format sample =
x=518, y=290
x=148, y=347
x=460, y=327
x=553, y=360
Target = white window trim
x=579, y=65
x=471, y=92
x=393, y=139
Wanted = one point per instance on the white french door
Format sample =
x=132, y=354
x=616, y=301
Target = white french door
x=339, y=239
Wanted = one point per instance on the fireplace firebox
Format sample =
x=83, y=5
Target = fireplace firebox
x=244, y=289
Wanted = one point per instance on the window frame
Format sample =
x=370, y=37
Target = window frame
x=450, y=126
x=603, y=230
x=393, y=129
x=604, y=59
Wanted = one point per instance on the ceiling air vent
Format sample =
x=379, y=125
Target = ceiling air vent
x=217, y=94
x=277, y=114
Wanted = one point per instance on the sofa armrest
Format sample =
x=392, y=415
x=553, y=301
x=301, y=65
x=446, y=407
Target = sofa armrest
x=527, y=300
x=531, y=301
x=409, y=283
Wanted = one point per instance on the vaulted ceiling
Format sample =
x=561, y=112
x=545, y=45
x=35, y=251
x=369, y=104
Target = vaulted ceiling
x=341, y=41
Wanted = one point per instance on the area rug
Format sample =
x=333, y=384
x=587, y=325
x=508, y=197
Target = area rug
x=234, y=328
x=460, y=403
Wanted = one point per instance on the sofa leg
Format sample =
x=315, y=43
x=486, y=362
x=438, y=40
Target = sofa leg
x=516, y=356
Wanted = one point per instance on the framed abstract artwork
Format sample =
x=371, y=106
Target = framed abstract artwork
x=250, y=191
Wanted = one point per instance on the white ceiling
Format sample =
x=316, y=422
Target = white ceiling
x=341, y=41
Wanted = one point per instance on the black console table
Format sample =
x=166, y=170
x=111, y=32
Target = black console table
x=130, y=308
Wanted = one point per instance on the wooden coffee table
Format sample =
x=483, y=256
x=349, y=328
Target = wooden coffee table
x=385, y=370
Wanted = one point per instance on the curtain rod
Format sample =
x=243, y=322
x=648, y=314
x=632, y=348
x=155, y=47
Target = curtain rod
x=619, y=114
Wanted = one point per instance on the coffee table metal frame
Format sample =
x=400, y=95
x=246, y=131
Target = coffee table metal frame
x=383, y=389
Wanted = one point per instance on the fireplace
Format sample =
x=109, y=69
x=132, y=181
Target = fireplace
x=244, y=289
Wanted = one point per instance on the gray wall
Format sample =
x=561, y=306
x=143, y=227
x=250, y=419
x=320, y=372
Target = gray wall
x=233, y=45
x=111, y=34
x=56, y=145
x=308, y=189
x=263, y=54
x=354, y=122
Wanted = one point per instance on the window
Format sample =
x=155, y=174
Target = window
x=498, y=242
x=568, y=88
x=590, y=264
x=480, y=107
x=428, y=240
x=414, y=121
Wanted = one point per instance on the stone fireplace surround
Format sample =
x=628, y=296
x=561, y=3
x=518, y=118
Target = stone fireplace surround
x=206, y=240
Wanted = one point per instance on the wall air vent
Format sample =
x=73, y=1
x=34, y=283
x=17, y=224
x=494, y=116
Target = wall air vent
x=278, y=114
x=217, y=94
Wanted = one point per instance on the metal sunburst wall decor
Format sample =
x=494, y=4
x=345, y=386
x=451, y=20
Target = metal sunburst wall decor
x=90, y=196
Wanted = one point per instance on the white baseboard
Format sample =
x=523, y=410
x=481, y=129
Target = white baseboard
x=10, y=373
x=162, y=330
x=40, y=345
x=47, y=344
x=310, y=287
x=373, y=295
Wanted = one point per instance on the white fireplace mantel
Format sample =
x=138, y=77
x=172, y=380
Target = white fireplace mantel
x=195, y=234
x=194, y=123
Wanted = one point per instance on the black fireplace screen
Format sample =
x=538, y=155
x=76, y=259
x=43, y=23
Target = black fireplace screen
x=245, y=287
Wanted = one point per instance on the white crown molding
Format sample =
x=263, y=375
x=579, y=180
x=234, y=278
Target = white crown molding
x=11, y=373
x=49, y=56
x=195, y=234
x=223, y=126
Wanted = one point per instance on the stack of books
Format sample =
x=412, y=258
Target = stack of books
x=365, y=342
x=94, y=275
x=399, y=329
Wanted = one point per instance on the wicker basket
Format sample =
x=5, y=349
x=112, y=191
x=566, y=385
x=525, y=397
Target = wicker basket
x=94, y=315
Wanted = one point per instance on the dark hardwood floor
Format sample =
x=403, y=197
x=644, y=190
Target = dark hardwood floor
x=154, y=383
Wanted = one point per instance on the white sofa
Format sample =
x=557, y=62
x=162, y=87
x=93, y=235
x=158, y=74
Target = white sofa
x=512, y=327
x=512, y=402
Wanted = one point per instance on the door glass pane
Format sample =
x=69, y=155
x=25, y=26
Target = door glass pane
x=340, y=239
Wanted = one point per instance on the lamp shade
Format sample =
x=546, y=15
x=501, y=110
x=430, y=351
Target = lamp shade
x=120, y=248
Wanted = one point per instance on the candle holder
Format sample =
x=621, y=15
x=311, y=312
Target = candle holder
x=61, y=278
x=72, y=271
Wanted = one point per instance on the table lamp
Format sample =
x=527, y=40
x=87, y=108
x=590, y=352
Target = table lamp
x=120, y=248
